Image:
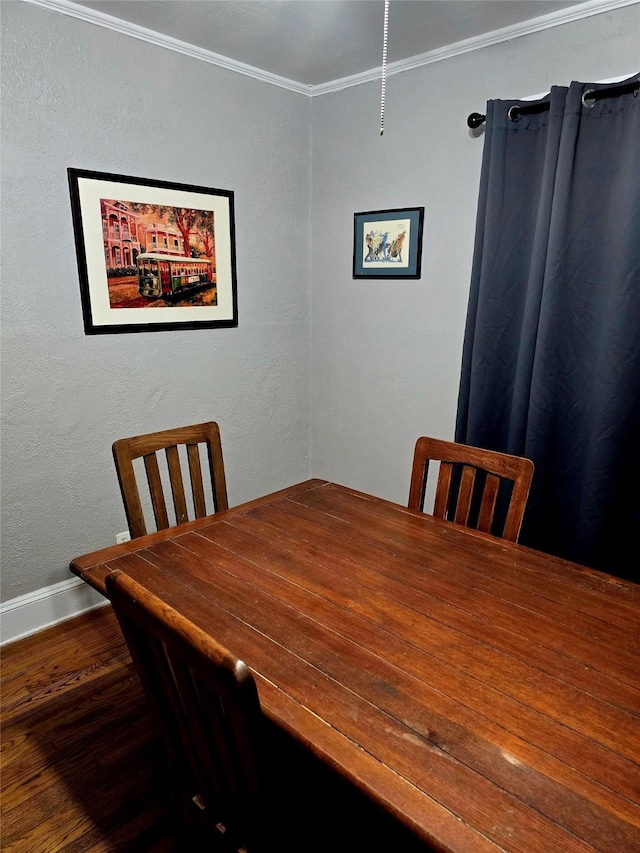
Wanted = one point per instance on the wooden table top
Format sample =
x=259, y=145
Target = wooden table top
x=486, y=694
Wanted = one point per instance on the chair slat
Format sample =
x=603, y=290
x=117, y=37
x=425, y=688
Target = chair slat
x=443, y=491
x=488, y=503
x=177, y=485
x=216, y=471
x=201, y=752
x=129, y=488
x=197, y=486
x=419, y=476
x=156, y=492
x=465, y=495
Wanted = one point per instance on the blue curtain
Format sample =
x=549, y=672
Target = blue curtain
x=551, y=359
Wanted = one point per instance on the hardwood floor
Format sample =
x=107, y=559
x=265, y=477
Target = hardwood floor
x=73, y=716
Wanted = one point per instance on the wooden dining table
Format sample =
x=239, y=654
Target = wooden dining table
x=485, y=694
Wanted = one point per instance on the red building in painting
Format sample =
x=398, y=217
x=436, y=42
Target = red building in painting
x=121, y=234
x=162, y=238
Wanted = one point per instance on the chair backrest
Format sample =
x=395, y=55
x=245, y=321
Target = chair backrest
x=470, y=483
x=125, y=450
x=208, y=711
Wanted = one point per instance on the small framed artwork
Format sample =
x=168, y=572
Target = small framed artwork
x=153, y=255
x=388, y=243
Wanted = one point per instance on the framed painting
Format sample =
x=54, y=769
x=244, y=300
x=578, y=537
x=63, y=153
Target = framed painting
x=388, y=243
x=153, y=255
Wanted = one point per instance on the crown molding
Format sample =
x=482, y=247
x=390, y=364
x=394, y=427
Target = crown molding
x=90, y=16
x=525, y=28
x=553, y=19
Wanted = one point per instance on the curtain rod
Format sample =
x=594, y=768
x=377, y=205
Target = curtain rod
x=589, y=98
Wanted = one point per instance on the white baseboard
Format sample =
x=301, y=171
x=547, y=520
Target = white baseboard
x=37, y=610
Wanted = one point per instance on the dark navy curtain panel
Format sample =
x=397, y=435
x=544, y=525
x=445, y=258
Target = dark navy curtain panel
x=551, y=359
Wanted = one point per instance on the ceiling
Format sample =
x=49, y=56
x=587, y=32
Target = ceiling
x=313, y=42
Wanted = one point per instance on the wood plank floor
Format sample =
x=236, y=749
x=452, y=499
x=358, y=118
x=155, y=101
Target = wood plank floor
x=73, y=716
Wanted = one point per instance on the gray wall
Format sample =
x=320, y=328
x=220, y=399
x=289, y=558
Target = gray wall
x=386, y=355
x=382, y=359
x=78, y=95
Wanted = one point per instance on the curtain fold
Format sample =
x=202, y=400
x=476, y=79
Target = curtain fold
x=551, y=358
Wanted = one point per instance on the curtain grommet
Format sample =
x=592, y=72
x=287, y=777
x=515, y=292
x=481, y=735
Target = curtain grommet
x=587, y=101
x=514, y=113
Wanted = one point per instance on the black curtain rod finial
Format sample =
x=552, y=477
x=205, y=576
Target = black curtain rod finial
x=475, y=120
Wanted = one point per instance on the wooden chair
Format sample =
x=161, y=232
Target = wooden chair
x=470, y=483
x=125, y=450
x=207, y=708
x=243, y=784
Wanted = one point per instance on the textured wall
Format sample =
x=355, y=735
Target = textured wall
x=78, y=95
x=386, y=355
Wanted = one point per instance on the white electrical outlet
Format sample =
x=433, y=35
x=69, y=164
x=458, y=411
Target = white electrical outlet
x=125, y=536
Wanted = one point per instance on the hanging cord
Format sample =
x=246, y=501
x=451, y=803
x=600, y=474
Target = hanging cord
x=385, y=43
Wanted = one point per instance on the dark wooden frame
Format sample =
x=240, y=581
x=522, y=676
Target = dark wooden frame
x=411, y=265
x=86, y=187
